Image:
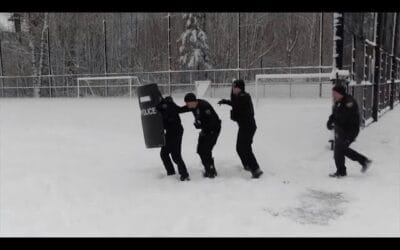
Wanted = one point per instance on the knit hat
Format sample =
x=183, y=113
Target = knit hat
x=339, y=89
x=190, y=97
x=239, y=83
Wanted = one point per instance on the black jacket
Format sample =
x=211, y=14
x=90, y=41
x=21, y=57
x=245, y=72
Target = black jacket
x=346, y=118
x=242, y=109
x=170, y=114
x=205, y=116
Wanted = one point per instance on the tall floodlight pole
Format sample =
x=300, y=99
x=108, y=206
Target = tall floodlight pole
x=321, y=21
x=238, y=45
x=2, y=69
x=394, y=64
x=49, y=60
x=105, y=53
x=169, y=53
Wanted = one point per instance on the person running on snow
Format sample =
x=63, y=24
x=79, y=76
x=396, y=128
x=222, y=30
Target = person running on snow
x=345, y=120
x=243, y=114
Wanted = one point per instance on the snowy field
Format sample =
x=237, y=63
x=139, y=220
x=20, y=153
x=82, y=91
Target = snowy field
x=79, y=167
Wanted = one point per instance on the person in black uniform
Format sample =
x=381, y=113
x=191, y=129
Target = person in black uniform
x=345, y=120
x=173, y=138
x=243, y=113
x=208, y=121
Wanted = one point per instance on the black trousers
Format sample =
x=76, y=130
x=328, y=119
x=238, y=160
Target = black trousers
x=173, y=145
x=244, y=149
x=341, y=150
x=205, y=145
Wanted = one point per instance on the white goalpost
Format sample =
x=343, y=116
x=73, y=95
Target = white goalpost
x=117, y=85
x=208, y=89
x=201, y=87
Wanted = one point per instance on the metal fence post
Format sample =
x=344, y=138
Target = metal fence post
x=77, y=87
x=377, y=66
x=130, y=87
x=394, y=63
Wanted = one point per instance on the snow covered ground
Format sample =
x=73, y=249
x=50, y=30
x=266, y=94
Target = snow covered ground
x=79, y=167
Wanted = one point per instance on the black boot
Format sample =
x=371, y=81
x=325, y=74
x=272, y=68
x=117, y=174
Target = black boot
x=185, y=178
x=365, y=165
x=337, y=175
x=210, y=172
x=256, y=173
x=213, y=170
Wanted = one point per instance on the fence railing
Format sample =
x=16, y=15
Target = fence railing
x=378, y=73
x=67, y=86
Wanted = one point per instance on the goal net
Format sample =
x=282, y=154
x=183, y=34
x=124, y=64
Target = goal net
x=107, y=86
x=293, y=85
x=207, y=89
x=202, y=88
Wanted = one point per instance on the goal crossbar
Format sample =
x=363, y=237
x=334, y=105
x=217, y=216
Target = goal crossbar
x=297, y=75
x=129, y=78
x=322, y=77
x=107, y=78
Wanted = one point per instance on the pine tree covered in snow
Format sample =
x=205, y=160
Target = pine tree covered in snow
x=194, y=50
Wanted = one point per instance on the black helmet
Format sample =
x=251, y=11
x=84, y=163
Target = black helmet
x=239, y=83
x=340, y=89
x=190, y=97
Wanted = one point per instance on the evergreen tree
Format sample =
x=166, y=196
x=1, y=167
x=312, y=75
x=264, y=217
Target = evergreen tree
x=194, y=50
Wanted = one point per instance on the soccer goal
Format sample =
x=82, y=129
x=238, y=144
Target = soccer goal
x=202, y=88
x=207, y=89
x=292, y=85
x=109, y=86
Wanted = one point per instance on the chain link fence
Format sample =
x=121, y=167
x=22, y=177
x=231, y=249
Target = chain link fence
x=170, y=82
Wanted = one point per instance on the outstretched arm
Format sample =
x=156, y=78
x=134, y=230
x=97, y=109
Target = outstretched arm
x=183, y=109
x=225, y=101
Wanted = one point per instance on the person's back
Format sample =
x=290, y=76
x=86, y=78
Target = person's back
x=170, y=113
x=243, y=110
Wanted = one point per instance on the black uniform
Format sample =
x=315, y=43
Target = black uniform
x=345, y=119
x=243, y=113
x=208, y=121
x=173, y=137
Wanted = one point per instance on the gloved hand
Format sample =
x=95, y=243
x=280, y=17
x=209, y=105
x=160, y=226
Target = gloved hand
x=201, y=134
x=233, y=118
x=197, y=124
x=330, y=123
x=223, y=101
x=330, y=126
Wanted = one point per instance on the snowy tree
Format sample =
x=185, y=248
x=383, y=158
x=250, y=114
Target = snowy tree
x=194, y=50
x=34, y=31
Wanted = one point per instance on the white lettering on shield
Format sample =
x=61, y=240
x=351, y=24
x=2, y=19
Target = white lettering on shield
x=149, y=111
